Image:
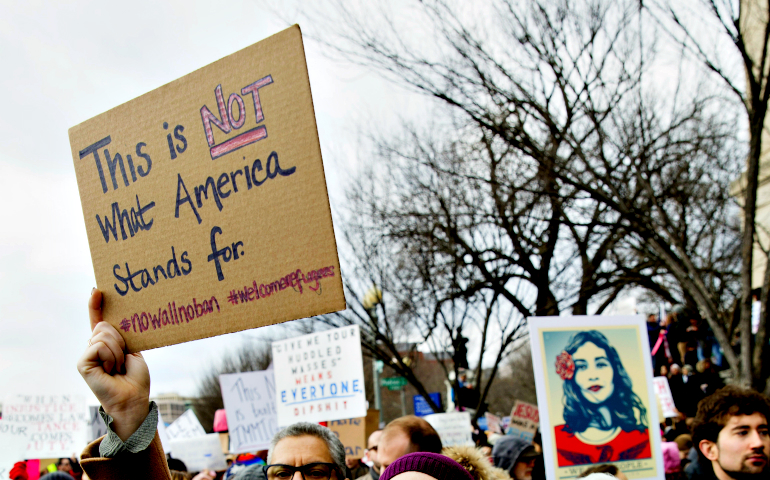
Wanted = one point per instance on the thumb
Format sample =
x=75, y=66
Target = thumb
x=95, y=307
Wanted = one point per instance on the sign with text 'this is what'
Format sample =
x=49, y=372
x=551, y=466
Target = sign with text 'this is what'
x=319, y=377
x=205, y=201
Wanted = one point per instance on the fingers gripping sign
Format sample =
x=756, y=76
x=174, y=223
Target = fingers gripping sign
x=120, y=381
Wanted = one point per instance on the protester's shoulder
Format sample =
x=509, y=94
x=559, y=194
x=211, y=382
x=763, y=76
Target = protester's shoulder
x=366, y=476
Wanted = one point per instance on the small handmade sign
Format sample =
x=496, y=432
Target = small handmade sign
x=249, y=399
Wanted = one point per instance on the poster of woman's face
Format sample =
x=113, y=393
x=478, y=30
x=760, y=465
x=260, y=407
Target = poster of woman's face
x=594, y=390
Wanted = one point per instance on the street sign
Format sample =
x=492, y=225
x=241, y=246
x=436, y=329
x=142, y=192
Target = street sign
x=393, y=383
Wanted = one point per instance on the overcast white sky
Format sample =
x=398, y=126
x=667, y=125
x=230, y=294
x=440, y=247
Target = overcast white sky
x=65, y=62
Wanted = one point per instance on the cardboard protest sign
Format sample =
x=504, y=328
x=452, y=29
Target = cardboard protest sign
x=664, y=398
x=372, y=422
x=205, y=201
x=200, y=453
x=186, y=426
x=249, y=399
x=14, y=438
x=454, y=428
x=524, y=420
x=319, y=377
x=594, y=389
x=58, y=423
x=352, y=434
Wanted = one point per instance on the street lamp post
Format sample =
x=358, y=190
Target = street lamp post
x=373, y=298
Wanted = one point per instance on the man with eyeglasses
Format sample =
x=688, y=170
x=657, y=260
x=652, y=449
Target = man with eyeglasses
x=132, y=450
x=312, y=450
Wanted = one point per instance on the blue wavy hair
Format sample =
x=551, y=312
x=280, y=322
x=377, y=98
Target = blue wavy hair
x=623, y=404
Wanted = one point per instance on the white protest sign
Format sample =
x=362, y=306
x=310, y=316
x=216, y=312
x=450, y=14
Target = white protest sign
x=200, y=453
x=493, y=423
x=95, y=424
x=58, y=423
x=454, y=428
x=14, y=438
x=164, y=440
x=186, y=426
x=249, y=399
x=319, y=377
x=665, y=399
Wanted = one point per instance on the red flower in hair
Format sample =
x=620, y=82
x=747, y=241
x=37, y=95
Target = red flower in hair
x=565, y=367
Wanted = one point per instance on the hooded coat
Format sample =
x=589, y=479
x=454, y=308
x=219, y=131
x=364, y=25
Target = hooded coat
x=507, y=451
x=476, y=463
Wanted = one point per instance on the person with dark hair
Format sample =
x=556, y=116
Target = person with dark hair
x=64, y=465
x=404, y=435
x=731, y=434
x=605, y=421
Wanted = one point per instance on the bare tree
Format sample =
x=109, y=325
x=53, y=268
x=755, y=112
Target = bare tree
x=558, y=89
x=745, y=27
x=247, y=358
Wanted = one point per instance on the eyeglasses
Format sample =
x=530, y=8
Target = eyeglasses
x=311, y=471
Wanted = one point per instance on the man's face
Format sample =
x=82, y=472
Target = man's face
x=373, y=446
x=65, y=466
x=523, y=470
x=298, y=451
x=741, y=449
x=392, y=447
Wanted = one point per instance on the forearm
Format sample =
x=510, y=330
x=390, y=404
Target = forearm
x=133, y=438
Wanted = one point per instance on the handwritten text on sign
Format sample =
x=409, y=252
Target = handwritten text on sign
x=319, y=377
x=454, y=428
x=249, y=400
x=186, y=426
x=58, y=424
x=205, y=201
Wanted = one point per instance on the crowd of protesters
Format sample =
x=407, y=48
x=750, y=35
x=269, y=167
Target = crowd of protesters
x=721, y=433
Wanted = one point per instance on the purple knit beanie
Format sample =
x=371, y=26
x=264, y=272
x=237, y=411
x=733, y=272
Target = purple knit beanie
x=436, y=465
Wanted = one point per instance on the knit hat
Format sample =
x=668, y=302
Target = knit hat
x=436, y=465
